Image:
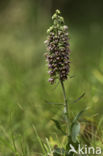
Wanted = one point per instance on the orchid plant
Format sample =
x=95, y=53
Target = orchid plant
x=58, y=59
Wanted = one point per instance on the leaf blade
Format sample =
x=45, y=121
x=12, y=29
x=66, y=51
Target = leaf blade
x=75, y=131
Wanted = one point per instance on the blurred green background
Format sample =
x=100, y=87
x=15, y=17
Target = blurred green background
x=24, y=83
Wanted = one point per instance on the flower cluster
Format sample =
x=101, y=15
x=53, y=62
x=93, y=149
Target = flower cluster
x=58, y=50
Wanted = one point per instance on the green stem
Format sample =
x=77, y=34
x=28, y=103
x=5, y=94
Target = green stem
x=66, y=113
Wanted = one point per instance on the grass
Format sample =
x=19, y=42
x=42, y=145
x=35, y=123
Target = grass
x=24, y=87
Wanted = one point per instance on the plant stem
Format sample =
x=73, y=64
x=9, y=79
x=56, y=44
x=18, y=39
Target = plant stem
x=66, y=113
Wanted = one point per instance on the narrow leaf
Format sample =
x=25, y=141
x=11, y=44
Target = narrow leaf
x=79, y=98
x=79, y=114
x=52, y=103
x=39, y=139
x=58, y=125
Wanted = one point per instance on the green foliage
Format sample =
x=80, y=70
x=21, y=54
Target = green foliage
x=58, y=125
x=77, y=117
x=75, y=131
x=23, y=77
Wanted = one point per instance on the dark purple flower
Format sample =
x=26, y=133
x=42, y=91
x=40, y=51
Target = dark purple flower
x=58, y=50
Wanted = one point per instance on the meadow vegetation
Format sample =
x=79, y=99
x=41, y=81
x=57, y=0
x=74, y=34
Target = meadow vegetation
x=24, y=87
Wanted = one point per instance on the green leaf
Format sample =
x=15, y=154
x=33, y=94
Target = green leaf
x=79, y=114
x=39, y=140
x=75, y=131
x=79, y=98
x=58, y=125
x=51, y=103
